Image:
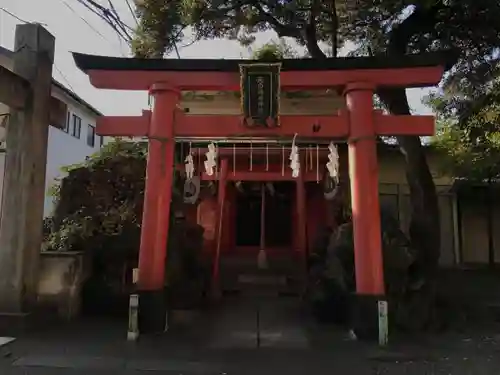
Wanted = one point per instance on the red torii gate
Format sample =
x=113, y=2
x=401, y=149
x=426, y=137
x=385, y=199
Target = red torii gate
x=358, y=78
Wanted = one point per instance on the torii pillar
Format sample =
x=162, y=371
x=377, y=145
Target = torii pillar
x=363, y=174
x=156, y=212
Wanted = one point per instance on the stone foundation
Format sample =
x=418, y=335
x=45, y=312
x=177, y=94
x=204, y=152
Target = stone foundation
x=152, y=311
x=62, y=275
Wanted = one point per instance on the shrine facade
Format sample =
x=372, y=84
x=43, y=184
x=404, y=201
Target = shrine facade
x=289, y=152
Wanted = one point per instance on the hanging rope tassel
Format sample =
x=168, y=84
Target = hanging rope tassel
x=294, y=158
x=189, y=165
x=198, y=152
x=234, y=159
x=317, y=164
x=216, y=161
x=267, y=157
x=211, y=161
x=333, y=162
x=251, y=155
x=310, y=158
x=283, y=160
x=262, y=263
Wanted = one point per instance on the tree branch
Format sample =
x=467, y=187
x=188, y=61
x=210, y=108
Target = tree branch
x=424, y=226
x=335, y=27
x=422, y=20
x=309, y=32
x=330, y=9
x=281, y=29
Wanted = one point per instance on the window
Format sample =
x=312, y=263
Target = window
x=68, y=120
x=91, y=135
x=77, y=127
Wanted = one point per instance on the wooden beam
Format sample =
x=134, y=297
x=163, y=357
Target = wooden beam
x=388, y=125
x=231, y=126
x=290, y=80
x=260, y=150
x=57, y=113
x=263, y=175
x=25, y=167
x=14, y=90
x=124, y=126
x=227, y=126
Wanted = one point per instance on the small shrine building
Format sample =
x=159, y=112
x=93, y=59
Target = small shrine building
x=269, y=158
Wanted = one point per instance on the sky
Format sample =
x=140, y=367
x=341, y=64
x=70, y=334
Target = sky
x=78, y=30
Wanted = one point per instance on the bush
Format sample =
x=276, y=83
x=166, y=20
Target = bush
x=99, y=212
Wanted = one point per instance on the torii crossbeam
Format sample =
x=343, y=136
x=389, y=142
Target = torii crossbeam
x=360, y=124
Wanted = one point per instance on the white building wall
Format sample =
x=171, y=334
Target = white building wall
x=64, y=148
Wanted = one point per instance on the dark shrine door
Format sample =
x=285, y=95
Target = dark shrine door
x=248, y=213
x=275, y=220
x=278, y=214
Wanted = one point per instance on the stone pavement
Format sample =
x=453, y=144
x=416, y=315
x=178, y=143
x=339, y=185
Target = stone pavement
x=227, y=344
x=266, y=362
x=460, y=357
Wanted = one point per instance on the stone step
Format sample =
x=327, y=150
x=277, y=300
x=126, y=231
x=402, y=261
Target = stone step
x=273, y=267
x=265, y=280
x=252, y=275
x=258, y=283
x=241, y=273
x=251, y=259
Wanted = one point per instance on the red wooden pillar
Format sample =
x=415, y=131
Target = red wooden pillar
x=221, y=197
x=263, y=217
x=363, y=171
x=302, y=219
x=156, y=213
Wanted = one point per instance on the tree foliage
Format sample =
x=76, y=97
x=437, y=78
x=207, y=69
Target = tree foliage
x=99, y=200
x=470, y=131
x=275, y=51
x=161, y=28
x=99, y=206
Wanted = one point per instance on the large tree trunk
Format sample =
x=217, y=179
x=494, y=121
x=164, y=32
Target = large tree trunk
x=424, y=228
x=425, y=223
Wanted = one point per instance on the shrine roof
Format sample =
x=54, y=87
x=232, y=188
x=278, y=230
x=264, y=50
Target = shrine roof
x=94, y=62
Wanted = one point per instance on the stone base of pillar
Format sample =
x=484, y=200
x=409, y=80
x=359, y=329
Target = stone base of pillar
x=15, y=324
x=215, y=292
x=365, y=320
x=152, y=311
